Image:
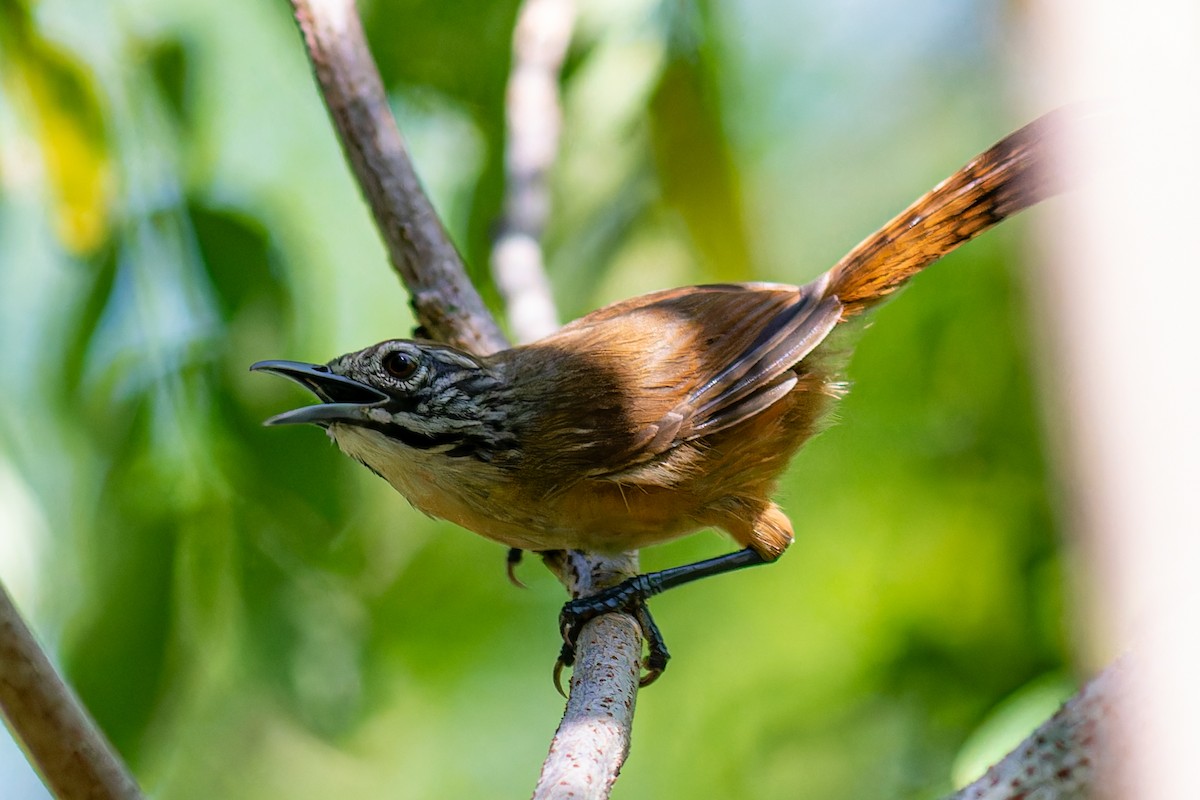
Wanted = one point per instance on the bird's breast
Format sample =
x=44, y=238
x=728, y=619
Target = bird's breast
x=489, y=500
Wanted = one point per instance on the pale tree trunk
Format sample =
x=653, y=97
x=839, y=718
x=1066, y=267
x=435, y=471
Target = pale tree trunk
x=1115, y=283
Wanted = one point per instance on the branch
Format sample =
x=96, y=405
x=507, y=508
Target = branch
x=59, y=736
x=593, y=739
x=446, y=303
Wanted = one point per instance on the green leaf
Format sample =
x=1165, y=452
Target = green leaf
x=168, y=62
x=695, y=167
x=237, y=255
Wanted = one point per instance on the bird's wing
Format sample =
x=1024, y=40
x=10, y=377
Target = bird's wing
x=703, y=359
x=747, y=359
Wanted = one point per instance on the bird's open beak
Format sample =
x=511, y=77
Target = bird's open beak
x=342, y=399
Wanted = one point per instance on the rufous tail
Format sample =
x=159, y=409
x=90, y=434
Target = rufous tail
x=1012, y=175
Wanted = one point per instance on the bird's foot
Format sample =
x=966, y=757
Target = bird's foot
x=626, y=597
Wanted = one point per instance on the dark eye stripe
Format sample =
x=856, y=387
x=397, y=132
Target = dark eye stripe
x=460, y=444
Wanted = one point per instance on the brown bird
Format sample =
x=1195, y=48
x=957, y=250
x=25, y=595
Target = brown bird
x=651, y=418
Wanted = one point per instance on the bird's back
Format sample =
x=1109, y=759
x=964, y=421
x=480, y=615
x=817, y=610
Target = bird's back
x=677, y=409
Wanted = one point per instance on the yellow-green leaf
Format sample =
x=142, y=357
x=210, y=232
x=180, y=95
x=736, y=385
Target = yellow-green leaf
x=66, y=114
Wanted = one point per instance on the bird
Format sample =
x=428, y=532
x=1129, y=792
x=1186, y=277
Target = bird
x=651, y=418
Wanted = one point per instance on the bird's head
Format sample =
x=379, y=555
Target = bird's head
x=416, y=394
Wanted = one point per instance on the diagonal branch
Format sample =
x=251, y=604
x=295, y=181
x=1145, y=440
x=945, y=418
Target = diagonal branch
x=57, y=733
x=446, y=303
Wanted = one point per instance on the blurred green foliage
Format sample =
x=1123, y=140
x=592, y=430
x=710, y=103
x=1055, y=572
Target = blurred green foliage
x=250, y=615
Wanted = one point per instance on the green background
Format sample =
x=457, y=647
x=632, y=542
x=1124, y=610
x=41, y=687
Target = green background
x=251, y=615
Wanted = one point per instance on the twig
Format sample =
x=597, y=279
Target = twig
x=593, y=739
x=446, y=303
x=60, y=737
x=534, y=119
x=1062, y=759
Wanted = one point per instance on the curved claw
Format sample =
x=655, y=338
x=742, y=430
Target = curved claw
x=558, y=668
x=510, y=566
x=650, y=677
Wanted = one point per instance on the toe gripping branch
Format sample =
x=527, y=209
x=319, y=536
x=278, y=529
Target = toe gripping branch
x=630, y=597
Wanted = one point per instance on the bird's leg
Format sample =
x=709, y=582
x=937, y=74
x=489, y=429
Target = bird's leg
x=630, y=597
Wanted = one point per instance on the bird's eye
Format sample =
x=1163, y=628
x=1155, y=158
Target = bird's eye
x=399, y=365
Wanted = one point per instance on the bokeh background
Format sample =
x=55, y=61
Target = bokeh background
x=249, y=614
